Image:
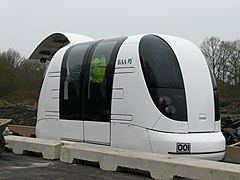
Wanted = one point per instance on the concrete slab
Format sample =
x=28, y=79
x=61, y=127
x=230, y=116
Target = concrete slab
x=159, y=166
x=50, y=149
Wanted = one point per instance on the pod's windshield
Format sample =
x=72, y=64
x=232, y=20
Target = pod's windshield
x=163, y=77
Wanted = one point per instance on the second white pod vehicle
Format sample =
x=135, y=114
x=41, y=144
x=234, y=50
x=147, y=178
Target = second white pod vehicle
x=150, y=92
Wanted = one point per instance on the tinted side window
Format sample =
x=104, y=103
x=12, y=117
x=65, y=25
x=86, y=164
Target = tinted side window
x=163, y=77
x=70, y=96
x=97, y=73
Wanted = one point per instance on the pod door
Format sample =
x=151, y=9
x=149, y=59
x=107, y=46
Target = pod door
x=71, y=93
x=98, y=91
x=87, y=116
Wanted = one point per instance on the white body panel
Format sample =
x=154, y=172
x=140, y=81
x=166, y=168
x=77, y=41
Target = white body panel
x=48, y=105
x=71, y=130
x=97, y=132
x=125, y=135
x=136, y=123
x=203, y=145
x=48, y=129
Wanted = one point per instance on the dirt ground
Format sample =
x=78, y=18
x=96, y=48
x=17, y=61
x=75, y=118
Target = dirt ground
x=20, y=114
x=232, y=108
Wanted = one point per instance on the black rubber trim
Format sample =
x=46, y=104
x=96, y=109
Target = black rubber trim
x=189, y=153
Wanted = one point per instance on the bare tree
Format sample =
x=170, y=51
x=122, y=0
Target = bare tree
x=12, y=57
x=226, y=49
x=234, y=64
x=223, y=58
x=18, y=74
x=210, y=49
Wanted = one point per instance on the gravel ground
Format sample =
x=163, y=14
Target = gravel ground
x=21, y=115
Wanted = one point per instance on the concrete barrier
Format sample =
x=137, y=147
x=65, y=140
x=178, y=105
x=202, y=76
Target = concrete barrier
x=159, y=166
x=50, y=149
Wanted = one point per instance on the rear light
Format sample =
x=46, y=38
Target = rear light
x=216, y=99
x=216, y=106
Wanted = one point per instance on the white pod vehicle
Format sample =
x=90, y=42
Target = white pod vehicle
x=151, y=92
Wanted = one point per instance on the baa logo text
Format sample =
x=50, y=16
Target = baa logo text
x=124, y=61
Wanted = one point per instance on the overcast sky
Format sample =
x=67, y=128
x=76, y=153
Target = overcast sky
x=24, y=23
